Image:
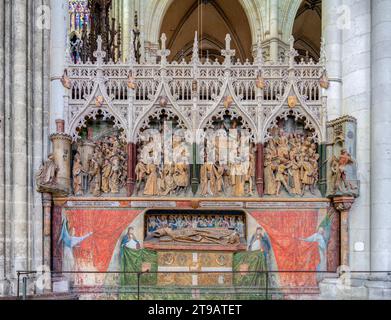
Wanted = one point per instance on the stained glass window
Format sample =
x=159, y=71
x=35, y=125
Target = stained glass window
x=79, y=14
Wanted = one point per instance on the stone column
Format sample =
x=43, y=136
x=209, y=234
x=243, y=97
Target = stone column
x=47, y=228
x=19, y=120
x=260, y=170
x=2, y=148
x=57, y=245
x=126, y=27
x=59, y=43
x=381, y=136
x=274, y=39
x=62, y=151
x=356, y=102
x=343, y=206
x=132, y=159
x=332, y=35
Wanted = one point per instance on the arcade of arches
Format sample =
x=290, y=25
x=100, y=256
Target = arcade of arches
x=195, y=135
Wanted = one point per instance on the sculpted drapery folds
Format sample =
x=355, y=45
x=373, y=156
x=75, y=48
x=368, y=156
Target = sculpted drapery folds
x=77, y=173
x=291, y=164
x=338, y=169
x=100, y=166
x=46, y=177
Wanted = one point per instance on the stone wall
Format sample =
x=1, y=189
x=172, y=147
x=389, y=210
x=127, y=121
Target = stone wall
x=24, y=87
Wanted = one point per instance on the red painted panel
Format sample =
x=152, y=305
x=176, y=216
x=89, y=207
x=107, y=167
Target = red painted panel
x=107, y=227
x=285, y=230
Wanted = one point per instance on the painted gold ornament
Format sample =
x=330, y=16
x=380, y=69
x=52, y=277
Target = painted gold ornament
x=260, y=82
x=324, y=81
x=66, y=82
x=292, y=102
x=228, y=102
x=163, y=102
x=99, y=101
x=131, y=82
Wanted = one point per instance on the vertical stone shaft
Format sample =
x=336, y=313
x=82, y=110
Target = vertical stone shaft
x=58, y=39
x=2, y=153
x=47, y=228
x=62, y=151
x=126, y=27
x=7, y=142
x=260, y=170
x=356, y=102
x=37, y=138
x=132, y=158
x=332, y=35
x=381, y=136
x=274, y=39
x=19, y=137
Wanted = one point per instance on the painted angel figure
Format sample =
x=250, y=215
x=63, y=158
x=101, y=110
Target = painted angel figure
x=70, y=241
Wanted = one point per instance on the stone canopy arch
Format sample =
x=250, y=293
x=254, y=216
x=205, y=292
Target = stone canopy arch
x=155, y=109
x=236, y=110
x=91, y=110
x=300, y=112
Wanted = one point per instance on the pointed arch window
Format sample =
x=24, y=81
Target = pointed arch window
x=79, y=15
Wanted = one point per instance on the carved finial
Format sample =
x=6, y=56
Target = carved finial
x=292, y=52
x=323, y=55
x=99, y=54
x=163, y=53
x=164, y=40
x=228, y=52
x=228, y=42
x=195, y=58
x=132, y=53
x=259, y=58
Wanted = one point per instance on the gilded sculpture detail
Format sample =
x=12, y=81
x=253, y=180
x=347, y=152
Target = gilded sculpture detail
x=104, y=170
x=291, y=165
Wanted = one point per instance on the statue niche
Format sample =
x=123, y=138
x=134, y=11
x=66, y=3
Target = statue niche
x=291, y=161
x=100, y=160
x=46, y=177
x=342, y=177
x=163, y=159
x=228, y=159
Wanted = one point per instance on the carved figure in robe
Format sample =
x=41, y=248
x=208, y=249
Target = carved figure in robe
x=314, y=160
x=250, y=175
x=282, y=177
x=282, y=146
x=95, y=177
x=141, y=174
x=208, y=180
x=181, y=176
x=115, y=175
x=271, y=149
x=238, y=177
x=106, y=173
x=199, y=236
x=151, y=186
x=269, y=178
x=47, y=174
x=168, y=185
x=77, y=173
x=307, y=176
x=219, y=172
x=295, y=170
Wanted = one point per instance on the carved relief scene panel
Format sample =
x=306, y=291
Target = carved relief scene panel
x=99, y=165
x=291, y=161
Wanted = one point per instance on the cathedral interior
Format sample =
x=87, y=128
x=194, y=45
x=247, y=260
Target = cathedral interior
x=196, y=149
